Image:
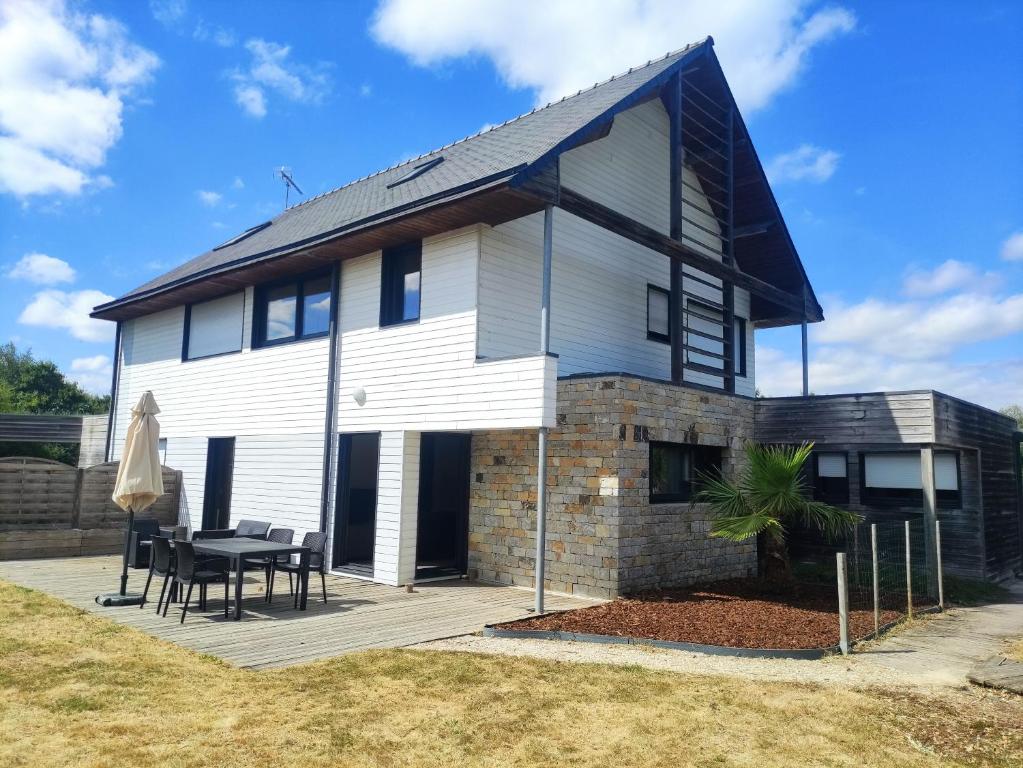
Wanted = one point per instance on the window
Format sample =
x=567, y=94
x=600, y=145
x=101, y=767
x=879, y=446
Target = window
x=704, y=334
x=658, y=302
x=831, y=478
x=400, y=283
x=161, y=447
x=893, y=479
x=213, y=327
x=416, y=171
x=739, y=345
x=298, y=309
x=675, y=469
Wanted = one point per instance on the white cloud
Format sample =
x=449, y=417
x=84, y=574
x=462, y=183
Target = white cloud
x=947, y=276
x=70, y=311
x=168, y=12
x=807, y=163
x=877, y=344
x=271, y=70
x=42, y=269
x=221, y=36
x=237, y=183
x=994, y=384
x=64, y=79
x=1012, y=248
x=365, y=90
x=209, y=198
x=920, y=329
x=558, y=47
x=93, y=374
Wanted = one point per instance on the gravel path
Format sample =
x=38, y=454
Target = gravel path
x=932, y=653
x=846, y=672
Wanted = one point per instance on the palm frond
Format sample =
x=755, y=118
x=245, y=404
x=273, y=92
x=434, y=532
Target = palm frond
x=831, y=521
x=742, y=527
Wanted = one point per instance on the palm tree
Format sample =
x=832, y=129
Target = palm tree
x=770, y=496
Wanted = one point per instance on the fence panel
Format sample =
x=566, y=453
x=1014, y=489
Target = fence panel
x=49, y=509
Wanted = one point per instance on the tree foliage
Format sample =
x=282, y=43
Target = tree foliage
x=1014, y=412
x=766, y=500
x=28, y=385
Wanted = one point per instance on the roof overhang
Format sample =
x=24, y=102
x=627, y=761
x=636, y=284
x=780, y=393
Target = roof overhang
x=489, y=202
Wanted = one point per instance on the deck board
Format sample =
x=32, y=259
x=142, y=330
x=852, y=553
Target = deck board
x=358, y=614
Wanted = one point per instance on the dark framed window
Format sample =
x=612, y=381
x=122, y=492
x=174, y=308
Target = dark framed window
x=292, y=310
x=831, y=477
x=739, y=345
x=675, y=469
x=658, y=311
x=400, y=282
x=893, y=479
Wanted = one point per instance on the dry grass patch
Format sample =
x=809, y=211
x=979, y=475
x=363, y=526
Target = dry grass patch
x=77, y=689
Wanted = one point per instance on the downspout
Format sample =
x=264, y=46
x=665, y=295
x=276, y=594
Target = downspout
x=806, y=350
x=328, y=421
x=114, y=381
x=541, y=470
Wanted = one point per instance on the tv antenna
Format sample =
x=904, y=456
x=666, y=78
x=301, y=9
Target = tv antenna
x=284, y=174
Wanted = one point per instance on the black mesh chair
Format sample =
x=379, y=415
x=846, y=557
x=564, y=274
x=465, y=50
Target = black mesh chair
x=251, y=529
x=142, y=531
x=317, y=543
x=189, y=572
x=162, y=564
x=278, y=536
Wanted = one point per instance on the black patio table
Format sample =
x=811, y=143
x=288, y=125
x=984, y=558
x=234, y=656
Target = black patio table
x=237, y=550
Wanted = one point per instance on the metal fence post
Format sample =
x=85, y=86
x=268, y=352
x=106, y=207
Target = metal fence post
x=877, y=579
x=941, y=577
x=909, y=577
x=843, y=603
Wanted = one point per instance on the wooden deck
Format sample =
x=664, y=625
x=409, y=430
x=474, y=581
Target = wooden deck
x=358, y=614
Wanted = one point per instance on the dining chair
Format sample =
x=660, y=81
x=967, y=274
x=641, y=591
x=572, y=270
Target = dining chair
x=277, y=536
x=316, y=541
x=251, y=529
x=189, y=572
x=162, y=564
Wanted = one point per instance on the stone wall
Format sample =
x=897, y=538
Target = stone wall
x=604, y=538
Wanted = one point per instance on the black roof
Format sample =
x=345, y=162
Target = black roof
x=501, y=150
x=490, y=158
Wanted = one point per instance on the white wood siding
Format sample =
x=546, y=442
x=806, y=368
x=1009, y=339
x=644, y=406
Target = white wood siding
x=394, y=557
x=271, y=400
x=599, y=279
x=425, y=375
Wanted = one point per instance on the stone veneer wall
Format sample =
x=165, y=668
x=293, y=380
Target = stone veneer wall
x=604, y=538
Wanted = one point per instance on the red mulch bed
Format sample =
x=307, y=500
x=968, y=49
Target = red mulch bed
x=736, y=614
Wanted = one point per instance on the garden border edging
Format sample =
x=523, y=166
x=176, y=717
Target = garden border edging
x=715, y=650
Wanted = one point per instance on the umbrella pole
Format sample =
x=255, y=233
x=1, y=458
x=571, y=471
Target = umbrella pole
x=127, y=551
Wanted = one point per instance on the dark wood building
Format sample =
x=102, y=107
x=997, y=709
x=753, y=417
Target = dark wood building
x=914, y=454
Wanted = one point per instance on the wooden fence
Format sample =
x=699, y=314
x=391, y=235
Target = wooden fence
x=49, y=509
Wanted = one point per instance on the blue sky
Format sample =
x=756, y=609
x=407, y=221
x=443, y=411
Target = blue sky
x=891, y=132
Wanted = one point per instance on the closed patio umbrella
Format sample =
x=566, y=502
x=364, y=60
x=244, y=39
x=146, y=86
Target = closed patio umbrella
x=139, y=481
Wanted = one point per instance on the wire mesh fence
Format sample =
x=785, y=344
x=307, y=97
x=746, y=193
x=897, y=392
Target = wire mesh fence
x=887, y=569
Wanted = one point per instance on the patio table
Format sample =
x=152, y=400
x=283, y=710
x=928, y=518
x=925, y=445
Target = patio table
x=237, y=550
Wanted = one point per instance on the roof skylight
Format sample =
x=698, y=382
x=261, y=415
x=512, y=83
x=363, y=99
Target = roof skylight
x=247, y=233
x=416, y=170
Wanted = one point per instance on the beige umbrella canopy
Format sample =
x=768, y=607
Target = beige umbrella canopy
x=139, y=477
x=139, y=481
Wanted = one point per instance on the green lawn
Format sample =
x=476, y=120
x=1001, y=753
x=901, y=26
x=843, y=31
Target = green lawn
x=79, y=690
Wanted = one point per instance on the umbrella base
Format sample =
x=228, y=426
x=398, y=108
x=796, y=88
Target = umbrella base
x=115, y=598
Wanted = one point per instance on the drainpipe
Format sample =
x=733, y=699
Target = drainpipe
x=328, y=421
x=806, y=356
x=541, y=471
x=114, y=381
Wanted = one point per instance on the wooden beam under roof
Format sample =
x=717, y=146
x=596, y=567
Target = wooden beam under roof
x=613, y=221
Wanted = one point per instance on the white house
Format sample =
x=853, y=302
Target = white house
x=576, y=289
